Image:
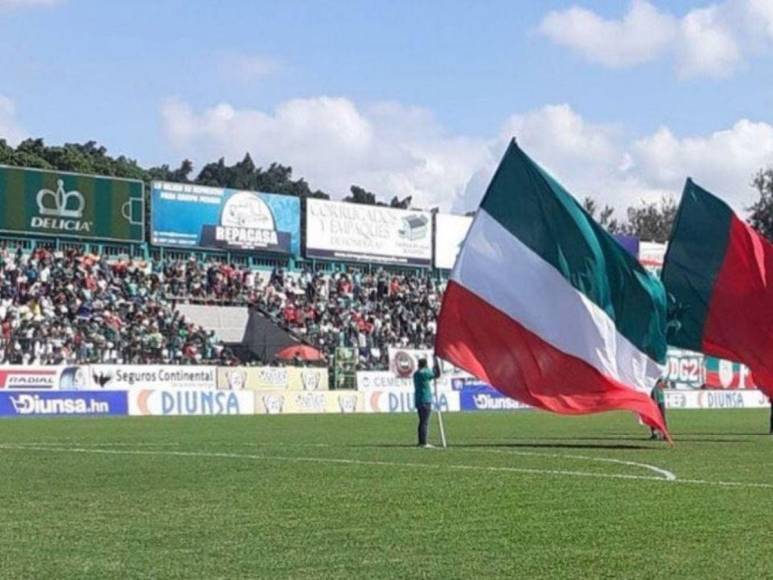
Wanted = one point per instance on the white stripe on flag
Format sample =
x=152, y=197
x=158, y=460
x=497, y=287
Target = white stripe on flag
x=500, y=269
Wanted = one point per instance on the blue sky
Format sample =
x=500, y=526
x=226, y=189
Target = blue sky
x=621, y=101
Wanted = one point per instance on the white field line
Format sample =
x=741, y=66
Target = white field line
x=331, y=460
x=663, y=472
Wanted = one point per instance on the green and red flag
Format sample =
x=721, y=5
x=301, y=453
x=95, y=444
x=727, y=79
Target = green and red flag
x=545, y=306
x=718, y=273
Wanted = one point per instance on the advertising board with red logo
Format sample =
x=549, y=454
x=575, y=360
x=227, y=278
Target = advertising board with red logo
x=40, y=377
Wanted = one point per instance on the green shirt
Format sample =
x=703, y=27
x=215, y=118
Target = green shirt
x=422, y=380
x=658, y=395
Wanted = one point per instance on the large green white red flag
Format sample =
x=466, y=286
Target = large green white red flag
x=545, y=306
x=718, y=273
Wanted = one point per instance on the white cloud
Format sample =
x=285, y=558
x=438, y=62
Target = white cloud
x=706, y=46
x=10, y=130
x=248, y=67
x=388, y=148
x=710, y=41
x=641, y=35
x=397, y=150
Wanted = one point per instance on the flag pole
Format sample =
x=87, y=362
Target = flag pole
x=440, y=413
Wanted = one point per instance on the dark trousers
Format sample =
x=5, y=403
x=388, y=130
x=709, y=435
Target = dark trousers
x=662, y=407
x=771, y=418
x=424, y=411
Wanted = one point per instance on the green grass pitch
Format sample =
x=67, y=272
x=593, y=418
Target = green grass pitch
x=516, y=495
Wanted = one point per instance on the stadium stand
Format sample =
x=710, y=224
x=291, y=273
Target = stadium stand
x=74, y=307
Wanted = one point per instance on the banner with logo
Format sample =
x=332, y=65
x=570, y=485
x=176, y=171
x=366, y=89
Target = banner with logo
x=723, y=374
x=482, y=397
x=450, y=231
x=293, y=402
x=716, y=399
x=337, y=230
x=684, y=369
x=55, y=203
x=163, y=402
x=128, y=377
x=195, y=216
x=23, y=377
x=59, y=404
x=401, y=401
x=273, y=378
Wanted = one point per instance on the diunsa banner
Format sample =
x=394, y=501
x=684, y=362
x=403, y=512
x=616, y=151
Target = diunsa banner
x=365, y=233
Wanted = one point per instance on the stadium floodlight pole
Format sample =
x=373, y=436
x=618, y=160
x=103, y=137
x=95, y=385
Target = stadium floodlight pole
x=440, y=412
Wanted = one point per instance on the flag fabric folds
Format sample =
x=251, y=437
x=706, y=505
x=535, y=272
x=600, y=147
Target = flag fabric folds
x=545, y=306
x=718, y=273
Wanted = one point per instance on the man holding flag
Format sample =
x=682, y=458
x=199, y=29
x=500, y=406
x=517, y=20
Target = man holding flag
x=545, y=306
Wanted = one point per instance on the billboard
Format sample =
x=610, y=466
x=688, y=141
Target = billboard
x=285, y=402
x=365, y=233
x=482, y=397
x=450, y=231
x=175, y=402
x=58, y=404
x=24, y=377
x=685, y=369
x=400, y=400
x=55, y=203
x=195, y=216
x=127, y=377
x=268, y=378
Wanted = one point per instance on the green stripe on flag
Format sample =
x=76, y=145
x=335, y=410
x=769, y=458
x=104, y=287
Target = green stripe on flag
x=695, y=255
x=538, y=211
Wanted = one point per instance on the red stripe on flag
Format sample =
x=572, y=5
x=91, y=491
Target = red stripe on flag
x=739, y=324
x=477, y=337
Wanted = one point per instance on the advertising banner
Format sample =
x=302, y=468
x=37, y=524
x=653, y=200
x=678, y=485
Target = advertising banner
x=401, y=401
x=370, y=380
x=450, y=231
x=55, y=203
x=716, y=399
x=289, y=402
x=127, y=377
x=58, y=403
x=403, y=362
x=651, y=255
x=723, y=374
x=684, y=369
x=195, y=216
x=190, y=402
x=365, y=233
x=272, y=378
x=43, y=377
x=481, y=397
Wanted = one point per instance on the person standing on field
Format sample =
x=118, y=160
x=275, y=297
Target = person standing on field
x=659, y=396
x=422, y=397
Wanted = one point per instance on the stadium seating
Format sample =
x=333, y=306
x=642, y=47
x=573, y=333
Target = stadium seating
x=74, y=307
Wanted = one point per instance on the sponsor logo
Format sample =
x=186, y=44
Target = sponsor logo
x=310, y=380
x=246, y=221
x=402, y=402
x=347, y=403
x=404, y=364
x=63, y=210
x=274, y=377
x=28, y=379
x=56, y=404
x=481, y=397
x=273, y=404
x=311, y=402
x=414, y=227
x=721, y=400
x=117, y=377
x=236, y=379
x=188, y=402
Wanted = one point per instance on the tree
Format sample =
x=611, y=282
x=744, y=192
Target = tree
x=361, y=195
x=651, y=221
x=604, y=218
x=761, y=211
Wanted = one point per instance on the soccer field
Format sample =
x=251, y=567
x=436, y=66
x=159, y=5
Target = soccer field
x=522, y=494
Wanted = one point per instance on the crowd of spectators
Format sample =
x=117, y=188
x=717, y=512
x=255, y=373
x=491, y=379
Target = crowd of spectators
x=68, y=307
